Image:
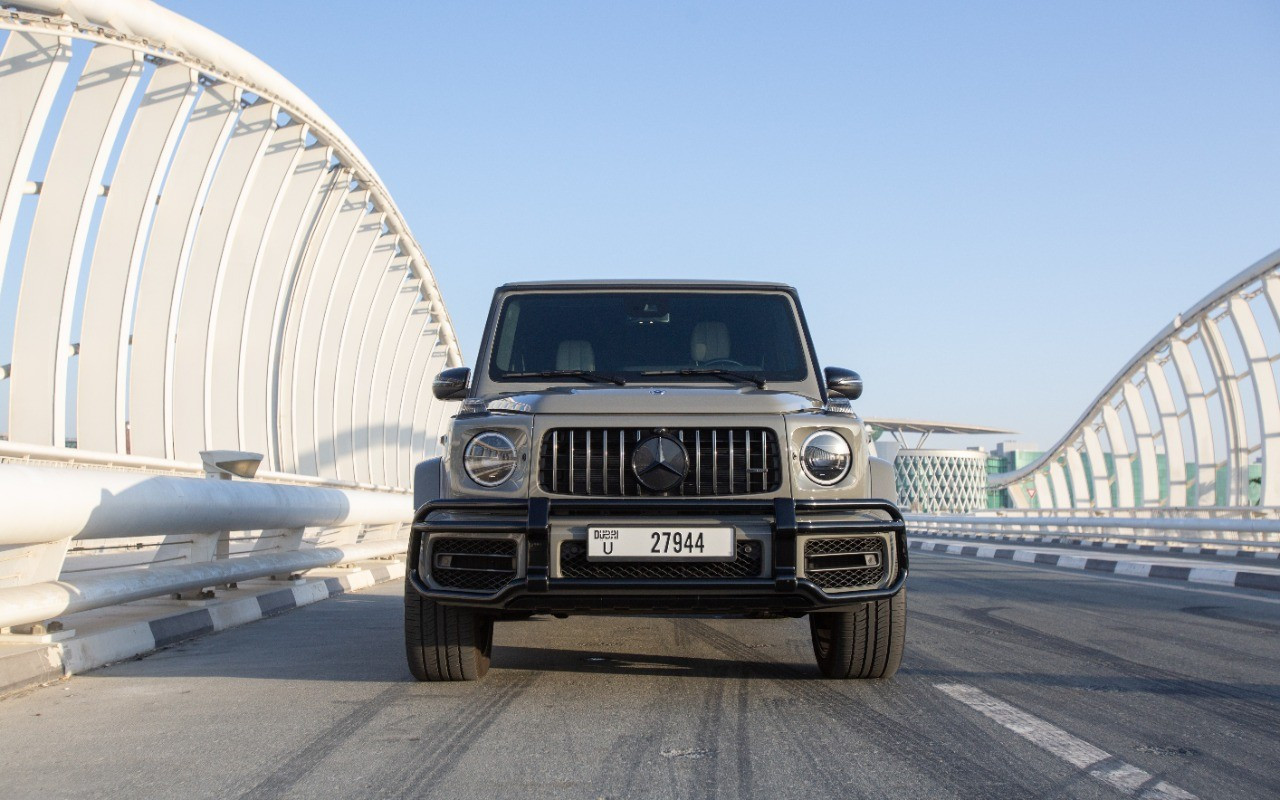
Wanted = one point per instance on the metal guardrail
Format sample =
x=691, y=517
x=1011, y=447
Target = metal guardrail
x=82, y=530
x=1259, y=534
x=218, y=266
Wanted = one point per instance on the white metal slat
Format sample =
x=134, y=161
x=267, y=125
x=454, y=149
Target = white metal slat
x=423, y=347
x=1097, y=466
x=419, y=412
x=1265, y=394
x=194, y=333
x=1044, y=495
x=391, y=365
x=32, y=66
x=1147, y=463
x=263, y=201
x=282, y=396
x=1058, y=482
x=117, y=257
x=414, y=349
x=291, y=218
x=426, y=414
x=1270, y=409
x=1079, y=482
x=1205, y=479
x=354, y=327
x=1171, y=433
x=1224, y=373
x=313, y=300
x=160, y=282
x=55, y=253
x=1121, y=461
x=389, y=284
x=330, y=338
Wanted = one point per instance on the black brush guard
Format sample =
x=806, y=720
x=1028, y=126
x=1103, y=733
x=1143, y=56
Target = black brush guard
x=782, y=592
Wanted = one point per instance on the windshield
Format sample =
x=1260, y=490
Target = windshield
x=653, y=336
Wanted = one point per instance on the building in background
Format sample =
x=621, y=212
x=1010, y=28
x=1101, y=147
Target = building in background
x=1007, y=457
x=934, y=481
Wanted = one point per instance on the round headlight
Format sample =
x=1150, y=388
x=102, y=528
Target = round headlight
x=490, y=458
x=826, y=457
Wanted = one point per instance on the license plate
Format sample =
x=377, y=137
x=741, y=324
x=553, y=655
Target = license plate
x=660, y=544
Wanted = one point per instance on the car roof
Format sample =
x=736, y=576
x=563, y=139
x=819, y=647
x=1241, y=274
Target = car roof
x=650, y=283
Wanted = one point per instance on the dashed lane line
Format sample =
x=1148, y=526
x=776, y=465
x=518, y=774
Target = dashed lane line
x=1097, y=762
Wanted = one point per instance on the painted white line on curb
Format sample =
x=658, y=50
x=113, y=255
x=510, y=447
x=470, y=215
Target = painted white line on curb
x=1097, y=762
x=1103, y=576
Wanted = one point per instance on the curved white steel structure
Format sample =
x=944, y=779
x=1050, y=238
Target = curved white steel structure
x=202, y=258
x=1192, y=420
x=195, y=258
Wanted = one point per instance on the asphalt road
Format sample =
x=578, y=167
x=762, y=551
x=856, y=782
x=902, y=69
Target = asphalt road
x=1019, y=681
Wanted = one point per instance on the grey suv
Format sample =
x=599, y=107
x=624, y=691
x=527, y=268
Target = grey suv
x=653, y=447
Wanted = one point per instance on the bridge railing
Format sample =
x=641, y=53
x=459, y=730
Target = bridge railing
x=1196, y=528
x=195, y=256
x=83, y=530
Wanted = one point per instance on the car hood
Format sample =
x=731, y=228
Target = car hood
x=654, y=400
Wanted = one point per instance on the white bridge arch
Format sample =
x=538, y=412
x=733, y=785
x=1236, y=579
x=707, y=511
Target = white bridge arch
x=1192, y=420
x=206, y=252
x=196, y=258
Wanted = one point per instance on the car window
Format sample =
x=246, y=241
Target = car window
x=628, y=334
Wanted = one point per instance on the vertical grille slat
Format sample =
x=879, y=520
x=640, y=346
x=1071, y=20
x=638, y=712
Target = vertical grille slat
x=715, y=464
x=697, y=462
x=721, y=461
x=764, y=461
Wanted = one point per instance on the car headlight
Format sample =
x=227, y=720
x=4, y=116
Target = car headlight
x=826, y=457
x=490, y=458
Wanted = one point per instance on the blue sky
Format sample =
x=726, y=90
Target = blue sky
x=987, y=207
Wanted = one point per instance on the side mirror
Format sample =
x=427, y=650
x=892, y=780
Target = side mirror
x=451, y=384
x=844, y=382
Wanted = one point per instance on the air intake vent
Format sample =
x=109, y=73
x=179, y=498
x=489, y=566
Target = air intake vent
x=472, y=564
x=842, y=564
x=597, y=461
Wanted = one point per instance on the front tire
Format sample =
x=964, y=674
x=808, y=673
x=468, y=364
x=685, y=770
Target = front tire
x=445, y=643
x=863, y=643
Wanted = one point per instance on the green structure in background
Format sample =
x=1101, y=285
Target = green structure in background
x=1010, y=456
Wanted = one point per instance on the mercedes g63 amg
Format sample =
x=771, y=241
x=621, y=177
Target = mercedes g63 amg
x=653, y=447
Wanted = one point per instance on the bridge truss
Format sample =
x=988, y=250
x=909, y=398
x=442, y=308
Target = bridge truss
x=195, y=258
x=1192, y=422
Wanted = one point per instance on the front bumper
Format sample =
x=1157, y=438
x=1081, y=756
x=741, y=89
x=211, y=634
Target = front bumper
x=534, y=588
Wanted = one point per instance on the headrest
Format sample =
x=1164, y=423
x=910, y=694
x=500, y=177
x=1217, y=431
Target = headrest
x=710, y=341
x=575, y=354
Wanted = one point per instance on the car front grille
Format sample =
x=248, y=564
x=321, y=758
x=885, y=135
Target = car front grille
x=845, y=563
x=746, y=564
x=597, y=461
x=473, y=564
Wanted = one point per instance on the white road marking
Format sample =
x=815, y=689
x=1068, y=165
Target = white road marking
x=1097, y=762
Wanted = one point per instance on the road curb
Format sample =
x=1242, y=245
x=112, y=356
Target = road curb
x=1216, y=552
x=1217, y=576
x=26, y=667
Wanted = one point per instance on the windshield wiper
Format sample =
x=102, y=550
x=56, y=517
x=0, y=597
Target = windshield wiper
x=727, y=374
x=584, y=374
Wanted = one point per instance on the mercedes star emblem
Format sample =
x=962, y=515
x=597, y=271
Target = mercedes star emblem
x=660, y=462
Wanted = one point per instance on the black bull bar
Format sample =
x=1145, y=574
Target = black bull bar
x=782, y=591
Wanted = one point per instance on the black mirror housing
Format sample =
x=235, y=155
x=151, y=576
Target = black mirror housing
x=451, y=384
x=844, y=382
